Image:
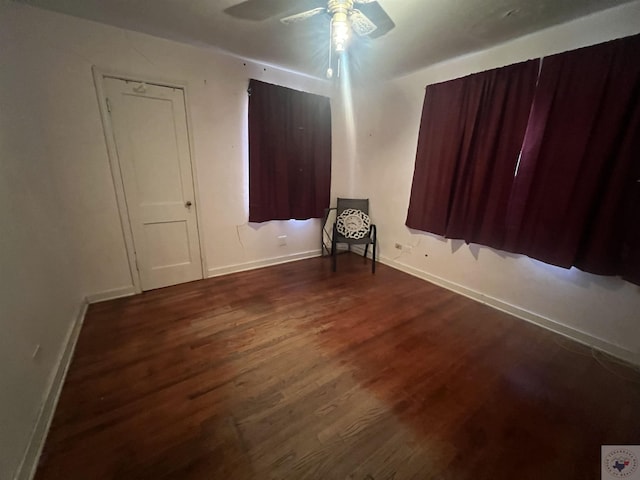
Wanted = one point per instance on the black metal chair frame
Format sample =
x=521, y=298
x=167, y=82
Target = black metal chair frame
x=370, y=239
x=326, y=234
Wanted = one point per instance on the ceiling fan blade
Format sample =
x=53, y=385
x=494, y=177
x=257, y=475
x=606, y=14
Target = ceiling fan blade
x=361, y=24
x=376, y=14
x=263, y=9
x=300, y=17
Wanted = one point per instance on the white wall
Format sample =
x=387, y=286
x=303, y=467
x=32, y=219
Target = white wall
x=61, y=237
x=598, y=310
x=40, y=289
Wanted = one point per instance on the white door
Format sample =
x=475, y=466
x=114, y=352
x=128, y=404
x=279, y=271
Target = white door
x=149, y=126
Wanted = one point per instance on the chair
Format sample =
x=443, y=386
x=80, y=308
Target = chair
x=353, y=227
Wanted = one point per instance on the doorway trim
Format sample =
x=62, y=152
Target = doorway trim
x=99, y=75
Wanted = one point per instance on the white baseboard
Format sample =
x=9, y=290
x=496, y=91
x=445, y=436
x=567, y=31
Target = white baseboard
x=519, y=312
x=29, y=463
x=267, y=262
x=111, y=294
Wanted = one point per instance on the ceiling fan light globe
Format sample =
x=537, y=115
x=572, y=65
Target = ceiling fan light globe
x=340, y=29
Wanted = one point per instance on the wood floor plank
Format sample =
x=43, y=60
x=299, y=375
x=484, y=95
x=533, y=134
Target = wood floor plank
x=294, y=372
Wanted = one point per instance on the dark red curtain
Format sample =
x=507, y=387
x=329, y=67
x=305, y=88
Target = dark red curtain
x=470, y=137
x=575, y=200
x=289, y=153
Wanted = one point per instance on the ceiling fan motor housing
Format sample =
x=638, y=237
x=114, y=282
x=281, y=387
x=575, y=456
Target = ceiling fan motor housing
x=335, y=6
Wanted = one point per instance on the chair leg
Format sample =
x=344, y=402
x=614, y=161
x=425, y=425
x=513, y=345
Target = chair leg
x=366, y=249
x=373, y=260
x=333, y=250
x=333, y=259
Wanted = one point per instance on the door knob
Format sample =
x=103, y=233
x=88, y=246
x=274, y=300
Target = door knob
x=188, y=204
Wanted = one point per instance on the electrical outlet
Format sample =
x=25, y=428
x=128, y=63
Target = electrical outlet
x=282, y=240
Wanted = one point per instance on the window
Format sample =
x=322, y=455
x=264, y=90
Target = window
x=289, y=153
x=470, y=137
x=575, y=200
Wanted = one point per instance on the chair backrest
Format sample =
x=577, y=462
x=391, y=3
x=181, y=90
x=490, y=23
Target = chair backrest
x=361, y=204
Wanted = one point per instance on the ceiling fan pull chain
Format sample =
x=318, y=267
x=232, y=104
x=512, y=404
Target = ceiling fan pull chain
x=330, y=69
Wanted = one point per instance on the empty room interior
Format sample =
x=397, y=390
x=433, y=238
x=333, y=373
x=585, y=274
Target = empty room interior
x=282, y=239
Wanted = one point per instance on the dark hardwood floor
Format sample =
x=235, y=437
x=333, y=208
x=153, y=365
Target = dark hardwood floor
x=294, y=372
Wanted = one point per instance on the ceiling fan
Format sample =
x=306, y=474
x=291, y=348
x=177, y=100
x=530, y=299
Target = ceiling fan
x=367, y=20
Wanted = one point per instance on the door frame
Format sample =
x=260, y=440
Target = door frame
x=99, y=74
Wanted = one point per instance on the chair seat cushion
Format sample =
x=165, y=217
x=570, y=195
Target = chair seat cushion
x=353, y=223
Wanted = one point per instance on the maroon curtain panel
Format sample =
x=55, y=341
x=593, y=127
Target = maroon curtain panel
x=289, y=153
x=575, y=200
x=470, y=137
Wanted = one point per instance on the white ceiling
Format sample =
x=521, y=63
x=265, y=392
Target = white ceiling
x=427, y=31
